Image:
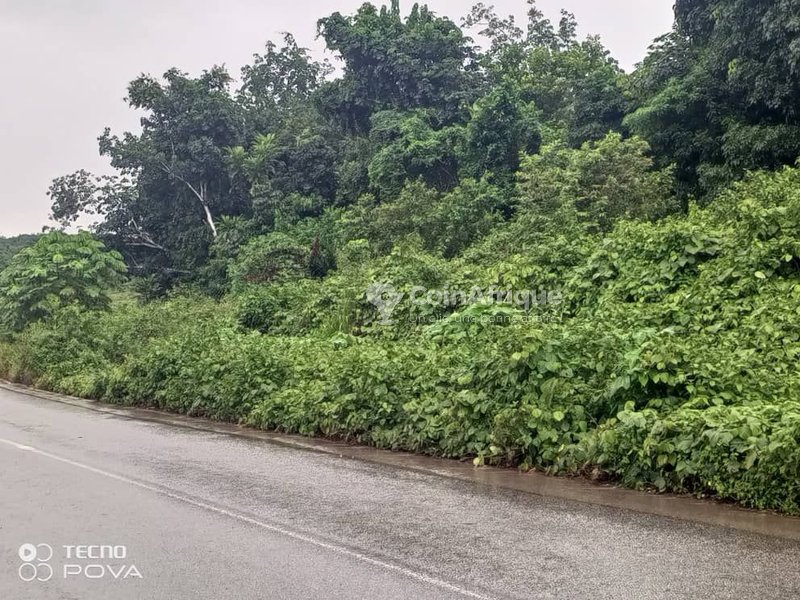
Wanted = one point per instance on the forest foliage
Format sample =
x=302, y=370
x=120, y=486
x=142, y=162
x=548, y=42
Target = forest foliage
x=266, y=224
x=9, y=246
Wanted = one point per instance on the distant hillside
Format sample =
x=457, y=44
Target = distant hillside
x=10, y=246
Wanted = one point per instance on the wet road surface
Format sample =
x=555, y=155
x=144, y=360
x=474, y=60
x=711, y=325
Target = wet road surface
x=207, y=515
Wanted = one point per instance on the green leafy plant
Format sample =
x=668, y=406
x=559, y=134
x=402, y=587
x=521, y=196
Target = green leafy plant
x=56, y=271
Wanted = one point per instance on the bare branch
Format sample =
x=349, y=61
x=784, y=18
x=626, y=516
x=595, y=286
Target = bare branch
x=201, y=196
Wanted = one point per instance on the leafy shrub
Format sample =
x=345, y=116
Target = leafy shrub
x=281, y=309
x=446, y=223
x=56, y=271
x=269, y=258
x=604, y=181
x=747, y=453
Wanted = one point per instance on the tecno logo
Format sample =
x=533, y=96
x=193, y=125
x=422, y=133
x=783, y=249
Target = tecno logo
x=35, y=559
x=99, y=570
x=87, y=562
x=116, y=552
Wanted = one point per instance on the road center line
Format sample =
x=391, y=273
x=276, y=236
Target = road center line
x=250, y=521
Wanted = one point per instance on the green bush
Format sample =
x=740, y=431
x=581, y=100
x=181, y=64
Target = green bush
x=57, y=270
x=747, y=453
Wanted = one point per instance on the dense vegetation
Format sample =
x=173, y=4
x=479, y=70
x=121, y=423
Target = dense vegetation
x=11, y=245
x=280, y=240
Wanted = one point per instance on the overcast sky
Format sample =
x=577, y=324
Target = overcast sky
x=67, y=64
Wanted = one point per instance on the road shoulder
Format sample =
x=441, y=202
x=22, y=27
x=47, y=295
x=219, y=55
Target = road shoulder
x=686, y=508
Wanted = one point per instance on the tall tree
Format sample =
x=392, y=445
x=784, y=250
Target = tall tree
x=729, y=90
x=174, y=182
x=281, y=78
x=576, y=85
x=391, y=63
x=181, y=151
x=502, y=126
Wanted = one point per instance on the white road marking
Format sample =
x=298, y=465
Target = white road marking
x=250, y=521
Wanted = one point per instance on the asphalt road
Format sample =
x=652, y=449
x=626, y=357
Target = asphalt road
x=206, y=515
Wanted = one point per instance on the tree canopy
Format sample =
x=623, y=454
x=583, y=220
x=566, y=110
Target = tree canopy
x=719, y=95
x=411, y=97
x=11, y=245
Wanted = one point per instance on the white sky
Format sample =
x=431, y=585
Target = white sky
x=67, y=63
